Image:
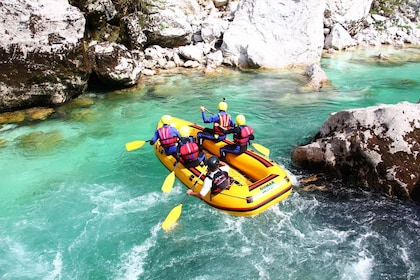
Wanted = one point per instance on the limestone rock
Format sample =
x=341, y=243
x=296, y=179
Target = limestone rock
x=42, y=56
x=275, y=34
x=377, y=148
x=338, y=38
x=114, y=65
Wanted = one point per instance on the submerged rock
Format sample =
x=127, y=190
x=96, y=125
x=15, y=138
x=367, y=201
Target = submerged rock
x=40, y=142
x=376, y=148
x=32, y=114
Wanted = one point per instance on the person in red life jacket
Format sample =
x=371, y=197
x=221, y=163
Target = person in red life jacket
x=189, y=153
x=220, y=120
x=241, y=135
x=168, y=136
x=217, y=178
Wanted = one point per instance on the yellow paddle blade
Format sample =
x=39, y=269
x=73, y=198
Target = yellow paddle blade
x=134, y=145
x=172, y=217
x=260, y=148
x=169, y=182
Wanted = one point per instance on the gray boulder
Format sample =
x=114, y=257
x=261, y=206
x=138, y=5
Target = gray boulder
x=114, y=65
x=376, y=148
x=41, y=53
x=275, y=34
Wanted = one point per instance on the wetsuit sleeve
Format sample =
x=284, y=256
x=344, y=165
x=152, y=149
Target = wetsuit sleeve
x=175, y=132
x=211, y=119
x=154, y=138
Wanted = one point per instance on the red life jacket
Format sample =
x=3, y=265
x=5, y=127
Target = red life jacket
x=243, y=137
x=166, y=139
x=224, y=121
x=189, y=151
x=220, y=181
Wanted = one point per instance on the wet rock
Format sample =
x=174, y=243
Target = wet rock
x=3, y=143
x=12, y=117
x=317, y=78
x=31, y=114
x=39, y=142
x=375, y=148
x=38, y=113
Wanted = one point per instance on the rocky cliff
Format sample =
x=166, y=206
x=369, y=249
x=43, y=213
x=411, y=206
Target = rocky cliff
x=50, y=49
x=42, y=53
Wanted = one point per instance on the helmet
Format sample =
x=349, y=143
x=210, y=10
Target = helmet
x=240, y=120
x=222, y=106
x=184, y=131
x=213, y=163
x=166, y=119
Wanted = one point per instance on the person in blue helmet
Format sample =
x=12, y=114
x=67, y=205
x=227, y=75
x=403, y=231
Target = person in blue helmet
x=221, y=120
x=168, y=136
x=242, y=134
x=189, y=153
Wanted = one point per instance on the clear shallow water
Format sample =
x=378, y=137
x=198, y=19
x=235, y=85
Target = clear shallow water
x=75, y=205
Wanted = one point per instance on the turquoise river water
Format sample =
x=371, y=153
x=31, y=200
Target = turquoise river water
x=75, y=205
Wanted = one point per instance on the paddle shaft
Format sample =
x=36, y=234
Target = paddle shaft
x=196, y=181
x=175, y=213
x=193, y=186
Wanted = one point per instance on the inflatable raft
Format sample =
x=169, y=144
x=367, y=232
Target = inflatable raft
x=259, y=181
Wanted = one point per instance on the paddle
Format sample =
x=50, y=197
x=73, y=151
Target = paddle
x=169, y=181
x=260, y=148
x=134, y=145
x=175, y=213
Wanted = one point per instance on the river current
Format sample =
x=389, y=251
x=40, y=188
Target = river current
x=74, y=204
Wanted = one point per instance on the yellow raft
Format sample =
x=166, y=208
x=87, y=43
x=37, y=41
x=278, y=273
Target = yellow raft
x=260, y=182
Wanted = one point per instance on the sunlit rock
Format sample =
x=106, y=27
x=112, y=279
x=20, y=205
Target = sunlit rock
x=42, y=53
x=376, y=148
x=114, y=65
x=338, y=38
x=275, y=34
x=317, y=78
x=166, y=25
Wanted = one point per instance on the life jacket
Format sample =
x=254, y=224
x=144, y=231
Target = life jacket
x=220, y=181
x=189, y=151
x=242, y=138
x=224, y=121
x=166, y=139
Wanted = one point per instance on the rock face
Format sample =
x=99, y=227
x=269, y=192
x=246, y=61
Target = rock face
x=44, y=62
x=275, y=34
x=42, y=56
x=376, y=148
x=113, y=64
